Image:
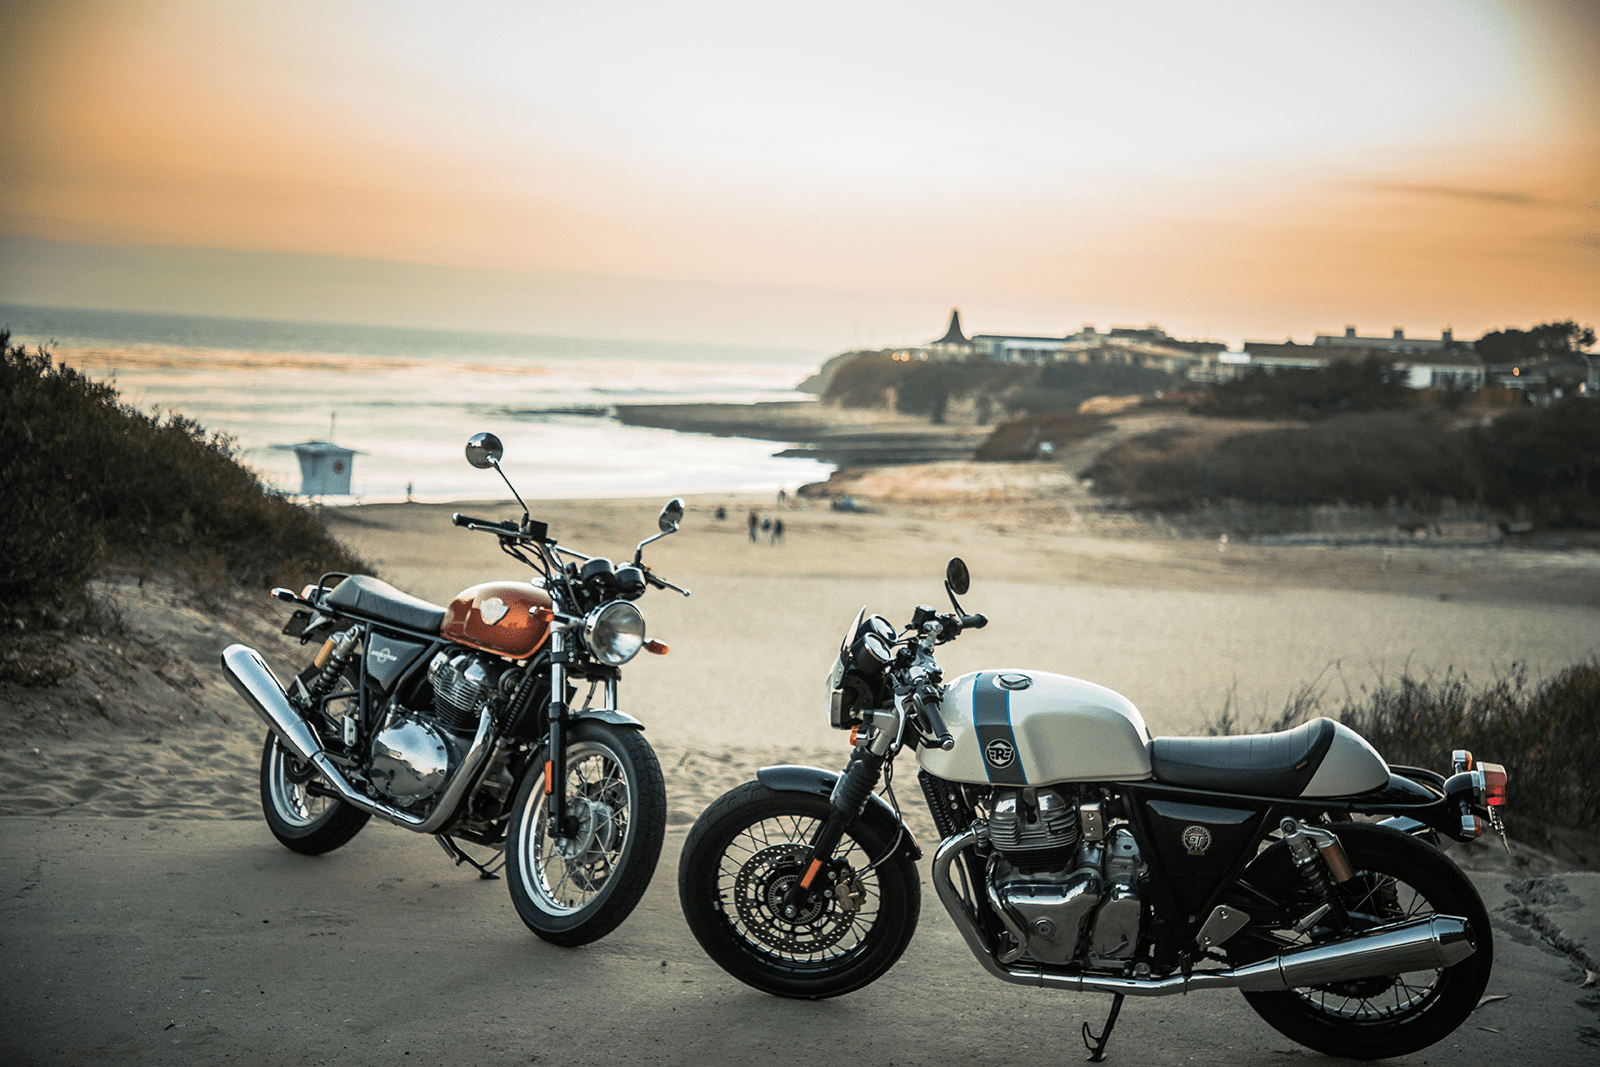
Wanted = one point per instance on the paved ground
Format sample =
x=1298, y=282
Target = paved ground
x=187, y=942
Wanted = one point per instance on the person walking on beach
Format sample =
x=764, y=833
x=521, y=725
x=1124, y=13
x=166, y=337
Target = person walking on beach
x=755, y=523
x=777, y=531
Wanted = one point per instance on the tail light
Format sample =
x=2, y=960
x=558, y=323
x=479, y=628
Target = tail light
x=1492, y=789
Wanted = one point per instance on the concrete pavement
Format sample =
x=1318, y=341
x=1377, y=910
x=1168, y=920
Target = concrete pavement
x=170, y=941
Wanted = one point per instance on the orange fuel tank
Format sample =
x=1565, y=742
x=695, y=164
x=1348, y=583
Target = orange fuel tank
x=507, y=618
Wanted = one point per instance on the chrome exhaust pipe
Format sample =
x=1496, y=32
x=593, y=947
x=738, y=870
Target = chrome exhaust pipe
x=1422, y=944
x=259, y=687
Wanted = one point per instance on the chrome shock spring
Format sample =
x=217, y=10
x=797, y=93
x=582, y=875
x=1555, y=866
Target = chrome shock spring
x=1321, y=862
x=342, y=646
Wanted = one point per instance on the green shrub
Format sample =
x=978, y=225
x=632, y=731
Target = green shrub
x=86, y=479
x=1538, y=463
x=1313, y=393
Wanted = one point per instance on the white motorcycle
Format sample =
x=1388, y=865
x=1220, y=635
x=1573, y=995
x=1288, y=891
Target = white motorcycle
x=1080, y=854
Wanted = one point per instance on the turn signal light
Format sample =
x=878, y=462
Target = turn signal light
x=656, y=648
x=1472, y=826
x=1494, y=783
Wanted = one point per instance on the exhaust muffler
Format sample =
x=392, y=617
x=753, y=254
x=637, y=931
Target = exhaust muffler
x=1421, y=944
x=260, y=689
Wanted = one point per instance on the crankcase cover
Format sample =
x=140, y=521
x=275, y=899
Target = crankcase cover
x=1017, y=727
x=507, y=618
x=410, y=760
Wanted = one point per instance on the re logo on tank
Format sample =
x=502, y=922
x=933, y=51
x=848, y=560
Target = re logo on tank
x=999, y=753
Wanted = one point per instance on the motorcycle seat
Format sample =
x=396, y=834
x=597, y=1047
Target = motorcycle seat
x=1279, y=764
x=365, y=596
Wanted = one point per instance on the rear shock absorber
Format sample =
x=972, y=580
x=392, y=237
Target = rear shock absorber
x=1321, y=861
x=333, y=657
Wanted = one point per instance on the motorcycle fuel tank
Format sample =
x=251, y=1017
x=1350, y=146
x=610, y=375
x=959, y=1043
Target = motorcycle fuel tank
x=506, y=618
x=1017, y=727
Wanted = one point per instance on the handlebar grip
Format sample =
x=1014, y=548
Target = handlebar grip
x=468, y=520
x=929, y=702
x=974, y=622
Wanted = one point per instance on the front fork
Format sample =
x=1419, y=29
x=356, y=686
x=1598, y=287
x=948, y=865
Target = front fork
x=562, y=824
x=849, y=799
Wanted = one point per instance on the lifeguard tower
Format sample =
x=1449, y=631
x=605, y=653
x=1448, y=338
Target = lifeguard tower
x=324, y=467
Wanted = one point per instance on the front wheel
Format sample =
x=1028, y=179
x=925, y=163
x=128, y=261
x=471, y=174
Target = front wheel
x=574, y=890
x=741, y=860
x=301, y=810
x=1397, y=878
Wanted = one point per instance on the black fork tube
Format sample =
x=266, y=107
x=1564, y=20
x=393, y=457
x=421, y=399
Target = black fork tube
x=555, y=768
x=849, y=799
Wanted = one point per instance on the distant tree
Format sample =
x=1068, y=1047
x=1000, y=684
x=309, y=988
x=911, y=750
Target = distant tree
x=1548, y=340
x=1373, y=384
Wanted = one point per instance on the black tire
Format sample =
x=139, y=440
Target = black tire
x=615, y=788
x=1396, y=878
x=303, y=818
x=745, y=850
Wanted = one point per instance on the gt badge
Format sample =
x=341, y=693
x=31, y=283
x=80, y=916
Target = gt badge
x=493, y=610
x=1196, y=839
x=999, y=753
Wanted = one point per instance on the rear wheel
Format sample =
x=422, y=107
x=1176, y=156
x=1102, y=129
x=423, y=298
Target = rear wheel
x=574, y=890
x=1397, y=878
x=740, y=862
x=299, y=805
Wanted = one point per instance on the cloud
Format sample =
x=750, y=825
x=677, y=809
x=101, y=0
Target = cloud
x=1456, y=192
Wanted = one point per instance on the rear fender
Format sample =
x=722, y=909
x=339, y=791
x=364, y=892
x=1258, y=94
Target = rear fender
x=791, y=778
x=1419, y=803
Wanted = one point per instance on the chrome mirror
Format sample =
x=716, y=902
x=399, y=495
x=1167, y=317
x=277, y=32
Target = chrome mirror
x=484, y=450
x=671, y=516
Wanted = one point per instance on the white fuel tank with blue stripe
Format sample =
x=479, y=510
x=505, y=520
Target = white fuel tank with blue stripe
x=1020, y=727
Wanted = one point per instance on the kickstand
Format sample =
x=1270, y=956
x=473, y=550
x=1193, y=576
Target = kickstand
x=453, y=850
x=1097, y=1045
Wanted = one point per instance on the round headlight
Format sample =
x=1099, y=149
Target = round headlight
x=614, y=632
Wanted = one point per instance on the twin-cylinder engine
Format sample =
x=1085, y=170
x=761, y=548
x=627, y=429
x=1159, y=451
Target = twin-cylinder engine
x=416, y=750
x=1064, y=883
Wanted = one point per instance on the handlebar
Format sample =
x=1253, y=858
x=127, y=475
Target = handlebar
x=928, y=699
x=484, y=524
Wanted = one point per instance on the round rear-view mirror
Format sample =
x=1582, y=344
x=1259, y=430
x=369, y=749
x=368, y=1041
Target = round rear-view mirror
x=484, y=450
x=955, y=574
x=671, y=515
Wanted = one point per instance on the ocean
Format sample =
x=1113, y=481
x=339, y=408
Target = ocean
x=407, y=400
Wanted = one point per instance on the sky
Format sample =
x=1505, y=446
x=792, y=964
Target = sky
x=817, y=175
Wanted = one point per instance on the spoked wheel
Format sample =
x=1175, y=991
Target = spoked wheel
x=739, y=864
x=573, y=890
x=1397, y=878
x=300, y=807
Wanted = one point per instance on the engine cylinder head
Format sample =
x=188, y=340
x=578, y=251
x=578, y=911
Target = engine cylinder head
x=1034, y=828
x=461, y=683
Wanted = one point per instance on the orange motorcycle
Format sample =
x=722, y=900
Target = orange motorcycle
x=458, y=721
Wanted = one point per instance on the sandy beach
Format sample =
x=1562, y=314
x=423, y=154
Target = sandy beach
x=1183, y=627
x=145, y=735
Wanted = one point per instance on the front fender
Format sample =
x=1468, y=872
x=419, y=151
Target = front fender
x=610, y=715
x=792, y=778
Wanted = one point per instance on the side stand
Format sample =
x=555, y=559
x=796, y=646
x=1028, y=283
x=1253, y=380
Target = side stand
x=453, y=850
x=1097, y=1045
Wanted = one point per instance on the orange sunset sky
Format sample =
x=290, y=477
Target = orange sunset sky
x=813, y=175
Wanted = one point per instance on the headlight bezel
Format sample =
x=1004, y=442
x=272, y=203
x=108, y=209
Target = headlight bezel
x=614, y=632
